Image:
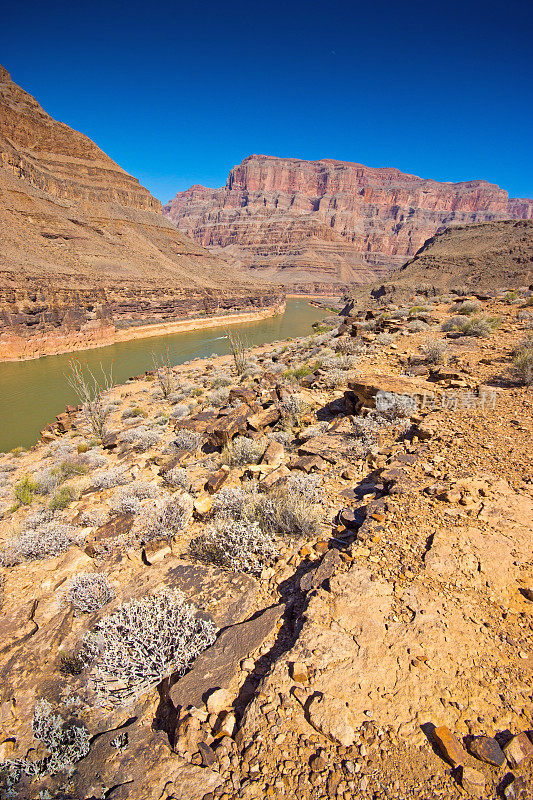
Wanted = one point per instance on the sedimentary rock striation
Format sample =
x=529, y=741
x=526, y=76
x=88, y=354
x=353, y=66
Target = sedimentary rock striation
x=85, y=247
x=330, y=222
x=473, y=258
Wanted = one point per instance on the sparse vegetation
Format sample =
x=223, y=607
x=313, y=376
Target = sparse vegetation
x=91, y=390
x=25, y=490
x=164, y=373
x=42, y=541
x=143, y=642
x=187, y=440
x=239, y=351
x=87, y=592
x=523, y=361
x=434, y=351
x=243, y=450
x=63, y=498
x=236, y=544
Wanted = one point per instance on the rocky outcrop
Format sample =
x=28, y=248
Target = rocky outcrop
x=85, y=247
x=329, y=221
x=473, y=258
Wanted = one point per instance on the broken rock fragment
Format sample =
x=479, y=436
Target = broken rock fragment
x=450, y=746
x=488, y=750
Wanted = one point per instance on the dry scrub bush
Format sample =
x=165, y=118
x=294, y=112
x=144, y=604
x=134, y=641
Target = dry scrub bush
x=434, y=352
x=165, y=519
x=242, y=451
x=164, y=373
x=141, y=643
x=42, y=541
x=110, y=478
x=235, y=544
x=177, y=477
x=523, y=361
x=91, y=390
x=87, y=592
x=187, y=440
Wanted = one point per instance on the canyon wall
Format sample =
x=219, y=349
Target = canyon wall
x=334, y=222
x=85, y=249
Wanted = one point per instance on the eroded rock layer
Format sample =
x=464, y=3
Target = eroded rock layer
x=85, y=247
x=337, y=222
x=474, y=258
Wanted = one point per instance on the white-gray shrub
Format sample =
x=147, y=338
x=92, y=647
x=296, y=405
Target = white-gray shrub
x=187, y=440
x=110, y=478
x=242, y=451
x=144, y=641
x=239, y=545
x=179, y=411
x=44, y=541
x=87, y=591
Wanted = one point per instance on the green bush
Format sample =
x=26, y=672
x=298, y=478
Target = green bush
x=25, y=491
x=62, y=498
x=523, y=361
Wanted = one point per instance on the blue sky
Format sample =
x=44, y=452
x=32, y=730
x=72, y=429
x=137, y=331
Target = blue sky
x=177, y=94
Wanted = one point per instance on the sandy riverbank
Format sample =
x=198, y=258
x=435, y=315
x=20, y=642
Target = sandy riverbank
x=17, y=348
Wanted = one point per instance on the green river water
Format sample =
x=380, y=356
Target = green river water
x=33, y=392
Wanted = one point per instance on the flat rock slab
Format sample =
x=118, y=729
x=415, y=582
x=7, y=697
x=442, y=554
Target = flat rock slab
x=366, y=387
x=216, y=666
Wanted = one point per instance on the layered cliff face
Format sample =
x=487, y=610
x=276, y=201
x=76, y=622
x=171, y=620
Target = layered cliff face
x=85, y=247
x=475, y=258
x=329, y=221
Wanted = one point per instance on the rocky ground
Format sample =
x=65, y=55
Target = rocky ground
x=351, y=516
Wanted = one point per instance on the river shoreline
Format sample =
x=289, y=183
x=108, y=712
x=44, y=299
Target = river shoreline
x=109, y=335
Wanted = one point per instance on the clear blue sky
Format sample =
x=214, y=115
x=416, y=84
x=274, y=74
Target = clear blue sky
x=179, y=93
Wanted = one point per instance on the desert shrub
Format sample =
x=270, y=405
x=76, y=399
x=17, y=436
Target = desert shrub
x=74, y=465
x=290, y=510
x=366, y=433
x=17, y=451
x=24, y=491
x=384, y=339
x=87, y=591
x=392, y=406
x=239, y=351
x=110, y=478
x=179, y=411
x=135, y=411
x=297, y=373
x=143, y=642
x=523, y=361
x=187, y=440
x=294, y=408
x=47, y=480
x=91, y=390
x=165, y=519
x=467, y=307
x=128, y=500
x=347, y=346
x=417, y=326
x=243, y=450
x=63, y=498
x=335, y=378
x=434, y=351
x=455, y=323
x=47, y=539
x=141, y=437
x=218, y=397
x=477, y=327
x=178, y=476
x=220, y=380
x=239, y=545
x=164, y=373
x=94, y=519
